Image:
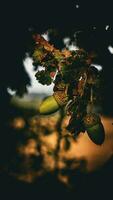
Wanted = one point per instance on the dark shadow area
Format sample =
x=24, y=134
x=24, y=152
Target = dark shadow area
x=96, y=186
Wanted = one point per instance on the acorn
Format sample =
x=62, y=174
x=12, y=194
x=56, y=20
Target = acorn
x=94, y=128
x=53, y=103
x=49, y=106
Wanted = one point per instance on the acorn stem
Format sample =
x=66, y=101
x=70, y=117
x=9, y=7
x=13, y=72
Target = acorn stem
x=59, y=130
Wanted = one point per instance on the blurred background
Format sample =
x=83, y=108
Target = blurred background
x=34, y=160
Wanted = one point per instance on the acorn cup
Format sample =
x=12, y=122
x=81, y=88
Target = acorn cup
x=61, y=98
x=94, y=128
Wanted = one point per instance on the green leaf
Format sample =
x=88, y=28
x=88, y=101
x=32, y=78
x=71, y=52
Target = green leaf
x=43, y=77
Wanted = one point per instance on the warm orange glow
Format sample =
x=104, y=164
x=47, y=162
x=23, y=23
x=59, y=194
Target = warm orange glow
x=81, y=150
x=18, y=123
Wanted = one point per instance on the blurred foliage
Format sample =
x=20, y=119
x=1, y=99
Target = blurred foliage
x=36, y=151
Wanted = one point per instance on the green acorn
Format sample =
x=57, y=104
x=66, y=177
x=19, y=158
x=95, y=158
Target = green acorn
x=53, y=103
x=49, y=106
x=94, y=127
